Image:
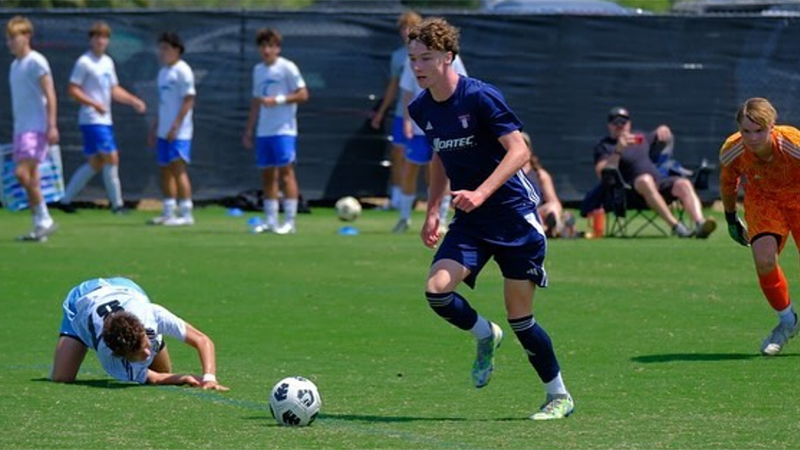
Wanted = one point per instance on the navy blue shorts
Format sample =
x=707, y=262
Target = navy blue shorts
x=517, y=243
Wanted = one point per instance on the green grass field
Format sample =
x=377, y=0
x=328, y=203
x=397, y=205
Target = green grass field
x=658, y=340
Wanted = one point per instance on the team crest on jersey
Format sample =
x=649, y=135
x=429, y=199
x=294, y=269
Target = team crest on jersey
x=464, y=121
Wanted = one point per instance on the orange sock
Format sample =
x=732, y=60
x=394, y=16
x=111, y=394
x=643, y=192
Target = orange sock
x=775, y=288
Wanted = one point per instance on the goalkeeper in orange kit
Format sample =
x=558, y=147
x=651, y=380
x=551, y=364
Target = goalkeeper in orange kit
x=765, y=158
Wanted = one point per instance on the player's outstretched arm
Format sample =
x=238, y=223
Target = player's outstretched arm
x=154, y=377
x=120, y=94
x=205, y=350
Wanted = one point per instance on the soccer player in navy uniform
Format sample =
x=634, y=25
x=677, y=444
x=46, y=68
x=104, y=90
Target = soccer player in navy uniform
x=479, y=149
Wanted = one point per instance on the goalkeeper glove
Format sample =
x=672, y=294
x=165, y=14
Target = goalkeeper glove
x=737, y=229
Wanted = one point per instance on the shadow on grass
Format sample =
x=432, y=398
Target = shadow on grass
x=104, y=384
x=688, y=357
x=392, y=419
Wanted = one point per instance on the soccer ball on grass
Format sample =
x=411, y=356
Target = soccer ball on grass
x=294, y=401
x=348, y=209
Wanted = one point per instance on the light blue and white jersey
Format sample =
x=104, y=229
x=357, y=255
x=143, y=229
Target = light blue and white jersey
x=175, y=83
x=87, y=305
x=281, y=78
x=408, y=82
x=95, y=75
x=398, y=62
x=28, y=102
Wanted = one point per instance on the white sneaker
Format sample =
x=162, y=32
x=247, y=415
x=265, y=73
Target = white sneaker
x=159, y=220
x=780, y=337
x=179, y=221
x=39, y=233
x=286, y=228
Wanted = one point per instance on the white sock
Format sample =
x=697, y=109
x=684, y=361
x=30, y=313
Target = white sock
x=113, y=186
x=77, y=182
x=444, y=209
x=169, y=207
x=185, y=207
x=271, y=212
x=482, y=329
x=556, y=386
x=406, y=203
x=787, y=316
x=41, y=217
x=289, y=210
x=394, y=200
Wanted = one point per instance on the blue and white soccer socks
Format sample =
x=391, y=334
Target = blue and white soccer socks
x=453, y=308
x=113, y=185
x=77, y=182
x=538, y=346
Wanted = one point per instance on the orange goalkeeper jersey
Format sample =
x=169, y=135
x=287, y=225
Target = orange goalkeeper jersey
x=778, y=178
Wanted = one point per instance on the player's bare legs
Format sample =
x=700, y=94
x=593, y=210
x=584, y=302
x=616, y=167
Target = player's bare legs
x=69, y=356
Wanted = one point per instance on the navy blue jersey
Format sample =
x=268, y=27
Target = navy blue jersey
x=464, y=130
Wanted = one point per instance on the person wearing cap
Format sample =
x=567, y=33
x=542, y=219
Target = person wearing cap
x=115, y=318
x=171, y=133
x=630, y=152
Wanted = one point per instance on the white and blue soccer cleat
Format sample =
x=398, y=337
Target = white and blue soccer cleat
x=483, y=366
x=555, y=407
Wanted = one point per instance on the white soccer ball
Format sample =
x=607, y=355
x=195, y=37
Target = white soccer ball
x=348, y=209
x=294, y=402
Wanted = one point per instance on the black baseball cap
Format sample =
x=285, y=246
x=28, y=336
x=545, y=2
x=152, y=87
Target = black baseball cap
x=618, y=111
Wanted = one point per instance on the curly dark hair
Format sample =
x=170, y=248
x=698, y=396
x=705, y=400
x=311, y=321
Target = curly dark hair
x=123, y=333
x=436, y=34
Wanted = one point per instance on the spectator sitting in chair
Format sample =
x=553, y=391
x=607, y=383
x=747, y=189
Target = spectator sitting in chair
x=630, y=152
x=556, y=222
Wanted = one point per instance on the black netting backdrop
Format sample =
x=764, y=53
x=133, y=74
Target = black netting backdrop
x=560, y=73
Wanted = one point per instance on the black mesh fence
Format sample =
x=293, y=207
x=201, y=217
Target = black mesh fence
x=560, y=73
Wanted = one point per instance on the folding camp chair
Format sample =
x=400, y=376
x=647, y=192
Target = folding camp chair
x=625, y=205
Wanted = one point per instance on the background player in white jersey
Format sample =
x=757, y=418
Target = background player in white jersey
x=418, y=152
x=173, y=129
x=94, y=85
x=480, y=151
x=114, y=317
x=396, y=64
x=278, y=87
x=33, y=101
